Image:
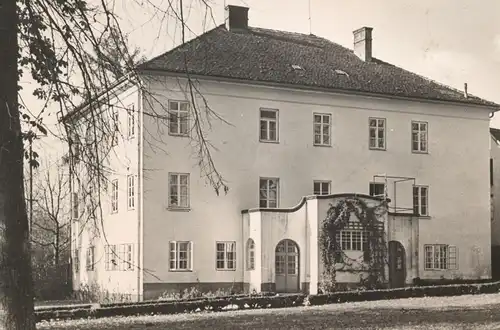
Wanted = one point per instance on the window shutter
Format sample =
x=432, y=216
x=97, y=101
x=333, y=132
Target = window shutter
x=452, y=257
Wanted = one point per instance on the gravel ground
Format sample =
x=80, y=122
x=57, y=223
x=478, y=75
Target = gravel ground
x=463, y=312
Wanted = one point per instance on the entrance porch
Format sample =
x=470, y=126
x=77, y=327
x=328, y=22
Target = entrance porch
x=285, y=248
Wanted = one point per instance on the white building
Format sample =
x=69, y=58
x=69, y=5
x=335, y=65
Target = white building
x=303, y=117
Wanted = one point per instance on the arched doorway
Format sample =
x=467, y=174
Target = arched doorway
x=287, y=266
x=397, y=264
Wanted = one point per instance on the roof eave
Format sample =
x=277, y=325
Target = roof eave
x=494, y=108
x=105, y=93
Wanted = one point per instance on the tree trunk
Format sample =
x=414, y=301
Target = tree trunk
x=16, y=284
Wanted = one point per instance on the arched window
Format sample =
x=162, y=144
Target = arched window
x=250, y=254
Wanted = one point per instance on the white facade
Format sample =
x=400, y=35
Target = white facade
x=458, y=207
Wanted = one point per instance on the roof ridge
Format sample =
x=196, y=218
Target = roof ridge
x=185, y=44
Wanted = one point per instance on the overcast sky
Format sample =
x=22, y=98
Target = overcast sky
x=450, y=41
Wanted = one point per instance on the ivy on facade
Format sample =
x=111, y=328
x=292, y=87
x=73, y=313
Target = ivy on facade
x=373, y=260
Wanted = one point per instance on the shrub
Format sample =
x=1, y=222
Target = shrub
x=410, y=292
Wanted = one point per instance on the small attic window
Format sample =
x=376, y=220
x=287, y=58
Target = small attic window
x=337, y=71
x=297, y=67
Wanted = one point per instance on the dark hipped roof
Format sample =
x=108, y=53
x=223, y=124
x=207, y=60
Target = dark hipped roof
x=264, y=55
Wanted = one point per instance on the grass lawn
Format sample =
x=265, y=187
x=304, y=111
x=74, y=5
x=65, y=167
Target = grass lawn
x=463, y=312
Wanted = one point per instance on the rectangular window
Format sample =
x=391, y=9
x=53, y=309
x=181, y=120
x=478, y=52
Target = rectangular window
x=377, y=189
x=180, y=255
x=269, y=125
x=421, y=200
x=226, y=256
x=419, y=136
x=90, y=258
x=179, y=118
x=115, y=125
x=440, y=257
x=75, y=206
x=178, y=190
x=114, y=196
x=269, y=192
x=352, y=240
x=377, y=133
x=76, y=261
x=129, y=256
x=321, y=187
x=130, y=122
x=111, y=257
x=131, y=192
x=322, y=129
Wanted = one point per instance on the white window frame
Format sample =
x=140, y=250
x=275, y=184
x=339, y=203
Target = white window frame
x=90, y=262
x=111, y=256
x=129, y=256
x=267, y=190
x=321, y=191
x=176, y=118
x=380, y=125
x=76, y=260
x=266, y=137
x=250, y=249
x=178, y=189
x=175, y=256
x=377, y=184
x=116, y=128
x=114, y=196
x=347, y=240
x=440, y=257
x=75, y=206
x=417, y=200
x=131, y=121
x=323, y=127
x=418, y=135
x=223, y=260
x=130, y=192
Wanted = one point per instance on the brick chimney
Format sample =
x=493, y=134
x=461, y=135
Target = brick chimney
x=363, y=43
x=236, y=18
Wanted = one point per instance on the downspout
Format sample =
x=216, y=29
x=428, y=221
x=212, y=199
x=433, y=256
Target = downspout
x=140, y=201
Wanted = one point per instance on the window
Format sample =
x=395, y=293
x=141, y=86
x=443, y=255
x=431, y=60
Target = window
x=76, y=261
x=250, y=254
x=268, y=125
x=352, y=240
x=90, y=258
x=440, y=257
x=377, y=189
x=116, y=131
x=321, y=187
x=226, y=256
x=269, y=190
x=180, y=255
x=75, y=205
x=419, y=136
x=179, y=117
x=114, y=196
x=131, y=192
x=129, y=256
x=421, y=200
x=110, y=256
x=322, y=129
x=377, y=133
x=130, y=122
x=178, y=190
